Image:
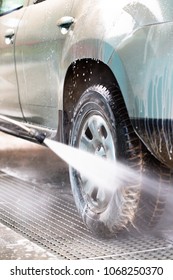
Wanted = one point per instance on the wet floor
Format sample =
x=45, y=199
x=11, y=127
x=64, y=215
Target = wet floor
x=36, y=164
x=15, y=247
x=31, y=162
x=38, y=218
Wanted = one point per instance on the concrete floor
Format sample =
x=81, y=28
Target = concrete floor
x=15, y=247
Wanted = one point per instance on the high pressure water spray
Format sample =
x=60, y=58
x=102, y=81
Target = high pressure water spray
x=31, y=132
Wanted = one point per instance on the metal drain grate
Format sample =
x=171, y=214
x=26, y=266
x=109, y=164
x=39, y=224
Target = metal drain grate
x=47, y=216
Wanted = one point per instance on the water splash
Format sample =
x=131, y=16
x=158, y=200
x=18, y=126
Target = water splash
x=102, y=172
x=111, y=175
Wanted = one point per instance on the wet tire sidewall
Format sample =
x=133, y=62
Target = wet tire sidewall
x=97, y=100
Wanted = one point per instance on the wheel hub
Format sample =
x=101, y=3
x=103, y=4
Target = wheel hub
x=97, y=139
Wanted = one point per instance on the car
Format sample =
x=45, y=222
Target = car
x=96, y=75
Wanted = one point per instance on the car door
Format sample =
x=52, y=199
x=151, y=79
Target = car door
x=39, y=45
x=11, y=12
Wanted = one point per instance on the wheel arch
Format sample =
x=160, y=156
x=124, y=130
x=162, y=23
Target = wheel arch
x=80, y=75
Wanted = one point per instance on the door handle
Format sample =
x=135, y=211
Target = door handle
x=64, y=23
x=37, y=1
x=9, y=36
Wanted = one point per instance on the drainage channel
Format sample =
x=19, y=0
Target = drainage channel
x=47, y=216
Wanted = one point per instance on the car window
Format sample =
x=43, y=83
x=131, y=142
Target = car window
x=7, y=6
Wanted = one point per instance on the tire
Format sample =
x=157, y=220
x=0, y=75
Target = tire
x=101, y=126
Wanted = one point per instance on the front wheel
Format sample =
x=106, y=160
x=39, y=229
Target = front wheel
x=101, y=126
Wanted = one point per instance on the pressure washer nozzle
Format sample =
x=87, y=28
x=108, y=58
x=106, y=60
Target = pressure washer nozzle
x=39, y=136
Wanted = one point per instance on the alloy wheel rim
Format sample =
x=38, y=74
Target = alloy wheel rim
x=96, y=138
